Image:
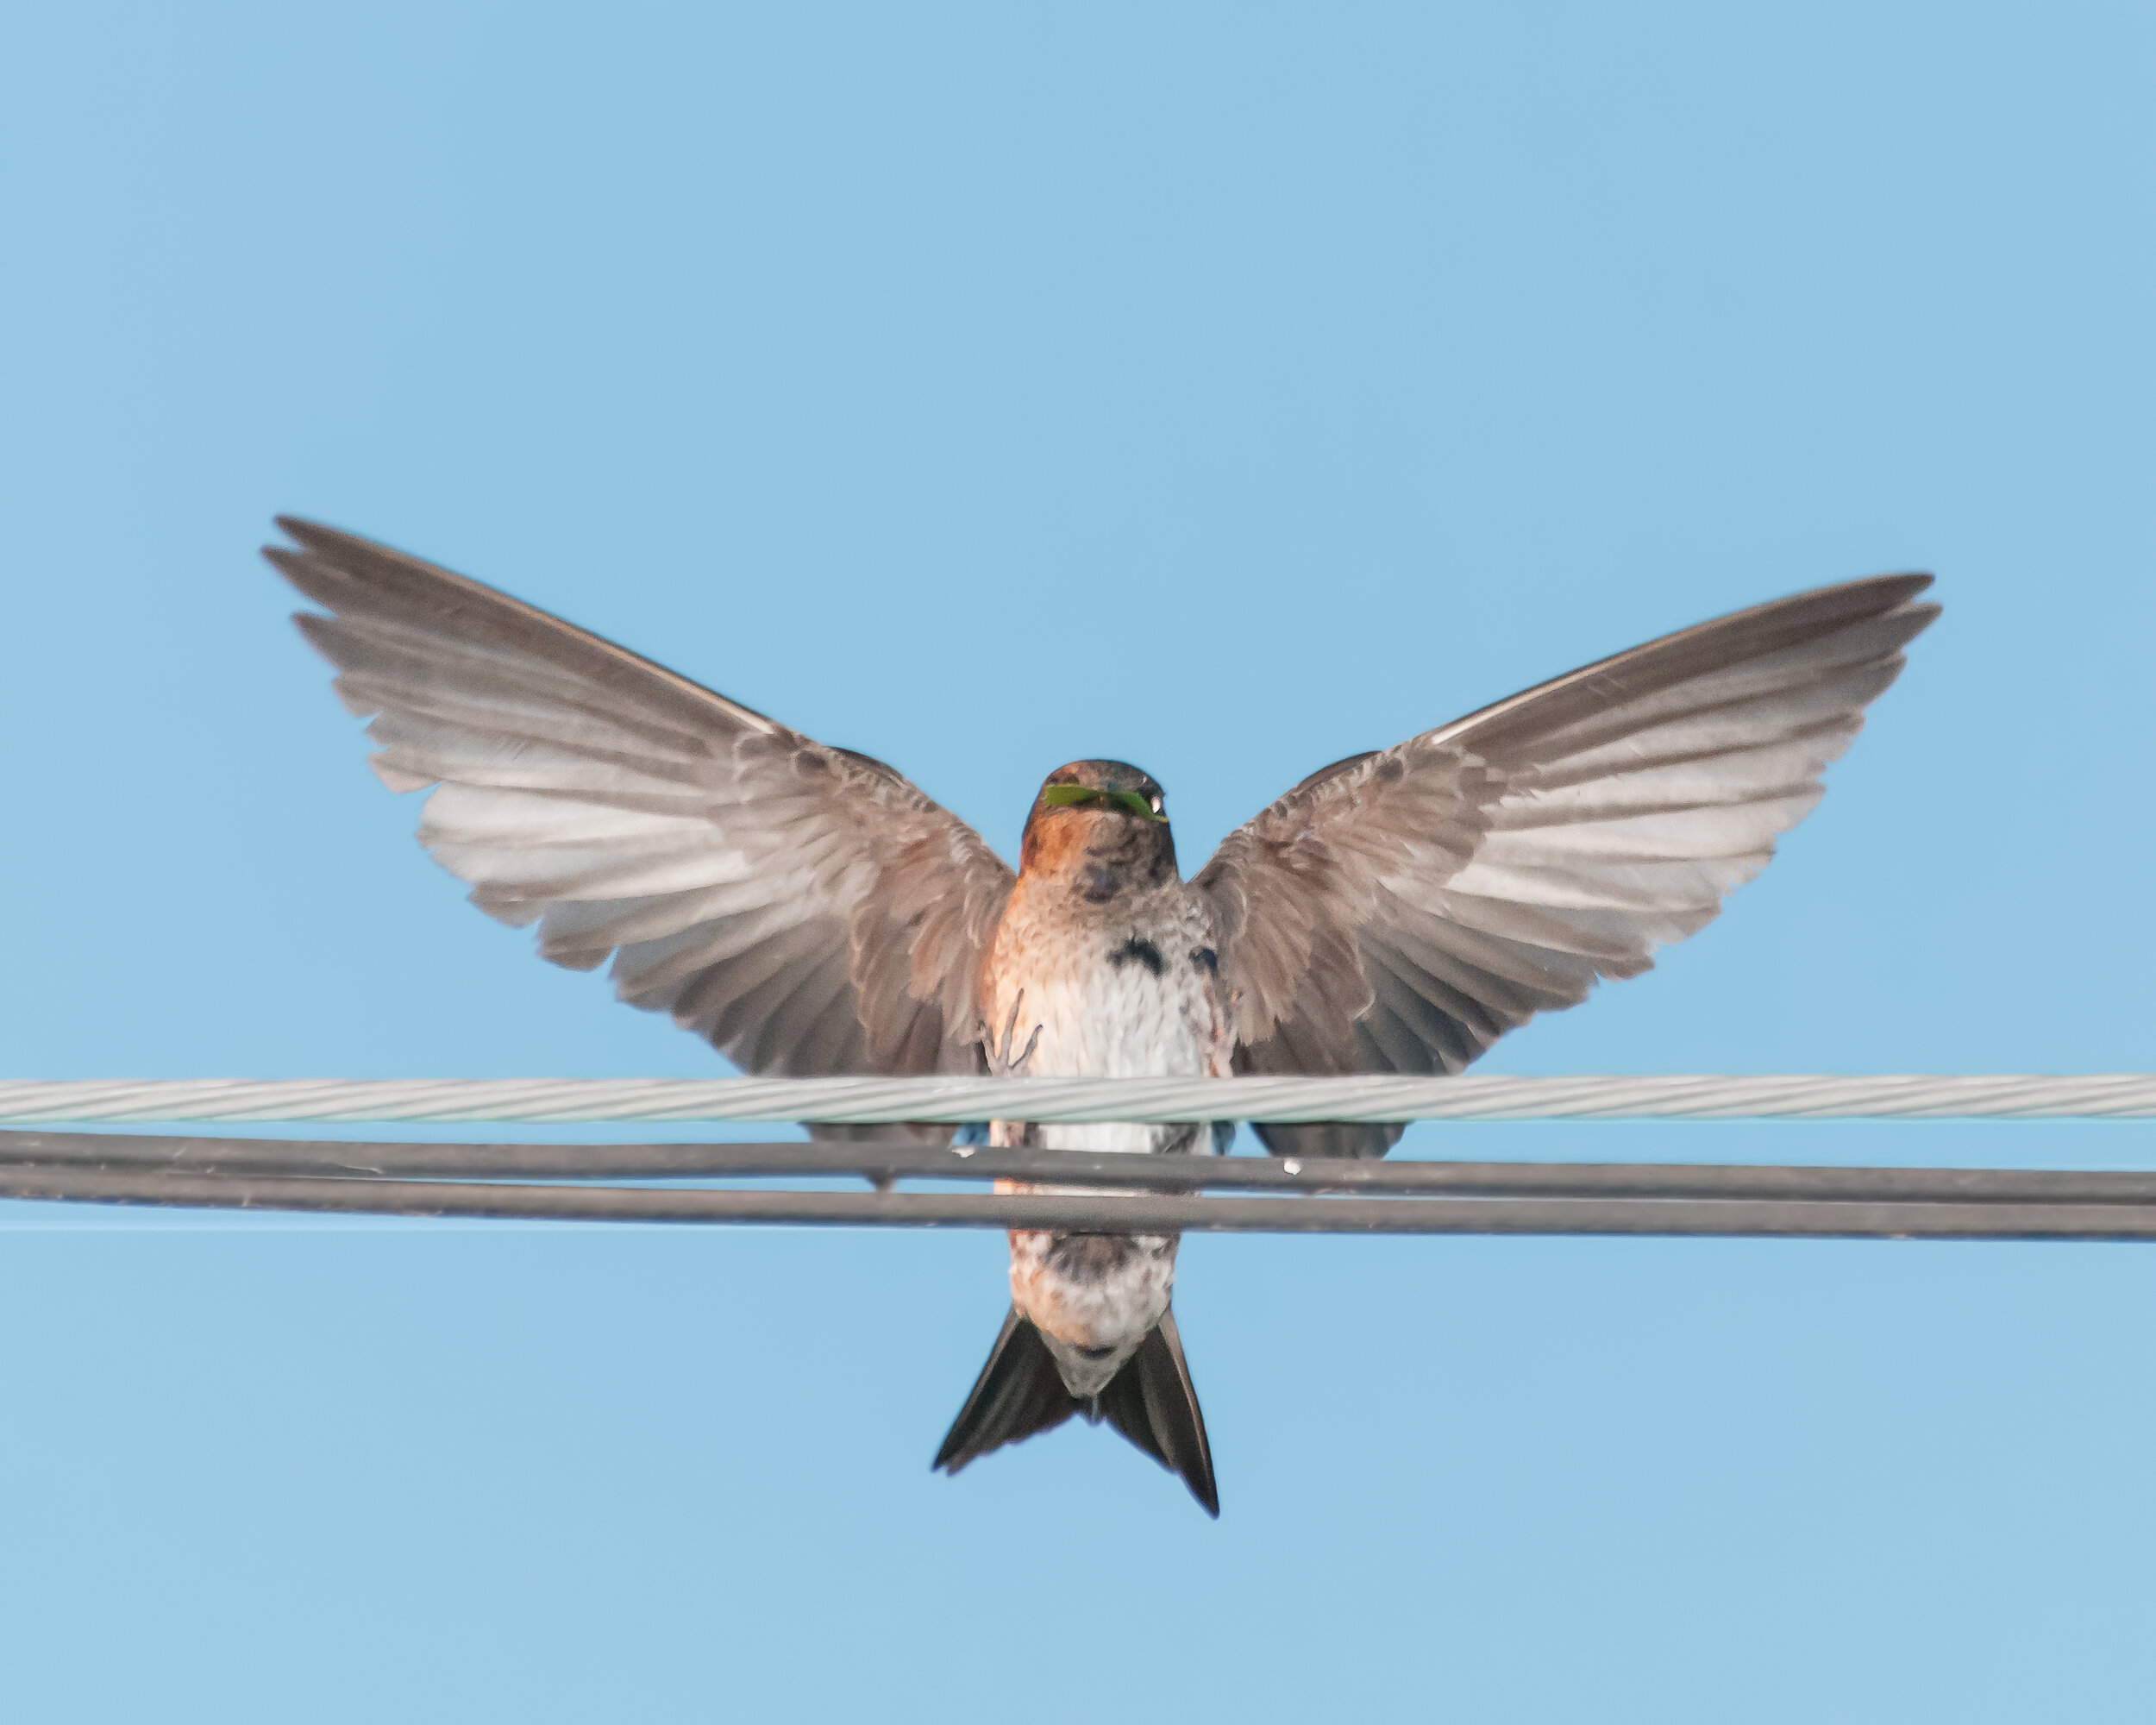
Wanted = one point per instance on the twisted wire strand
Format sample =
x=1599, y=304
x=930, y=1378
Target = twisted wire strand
x=866, y=1102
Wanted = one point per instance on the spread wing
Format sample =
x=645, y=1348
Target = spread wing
x=804, y=908
x=1401, y=911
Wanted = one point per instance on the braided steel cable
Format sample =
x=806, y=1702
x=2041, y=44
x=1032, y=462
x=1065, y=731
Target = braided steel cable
x=2126, y=1095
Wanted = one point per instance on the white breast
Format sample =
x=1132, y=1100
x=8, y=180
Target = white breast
x=1129, y=997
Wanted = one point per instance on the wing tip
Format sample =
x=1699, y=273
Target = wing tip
x=307, y=535
x=1904, y=587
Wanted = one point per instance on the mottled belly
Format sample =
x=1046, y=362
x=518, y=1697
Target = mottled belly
x=1094, y=1297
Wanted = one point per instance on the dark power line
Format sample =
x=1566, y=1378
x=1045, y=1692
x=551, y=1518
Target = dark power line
x=1408, y=1197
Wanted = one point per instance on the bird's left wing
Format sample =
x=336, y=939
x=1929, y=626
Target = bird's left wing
x=1399, y=911
x=804, y=908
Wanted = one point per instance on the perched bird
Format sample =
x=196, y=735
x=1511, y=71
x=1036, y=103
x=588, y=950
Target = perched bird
x=807, y=910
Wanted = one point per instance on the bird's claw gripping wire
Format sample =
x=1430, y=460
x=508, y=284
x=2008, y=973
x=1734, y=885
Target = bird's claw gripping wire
x=1001, y=1064
x=996, y=1050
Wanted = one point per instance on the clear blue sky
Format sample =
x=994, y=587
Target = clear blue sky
x=1345, y=367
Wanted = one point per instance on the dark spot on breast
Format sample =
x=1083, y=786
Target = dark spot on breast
x=1206, y=960
x=1095, y=1354
x=1098, y=883
x=1143, y=950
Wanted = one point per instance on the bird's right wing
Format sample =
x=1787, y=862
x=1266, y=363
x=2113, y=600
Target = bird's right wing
x=804, y=908
x=1399, y=911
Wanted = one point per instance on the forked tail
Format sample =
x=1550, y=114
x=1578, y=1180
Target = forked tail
x=1150, y=1400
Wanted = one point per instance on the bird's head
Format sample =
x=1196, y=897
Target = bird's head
x=1104, y=824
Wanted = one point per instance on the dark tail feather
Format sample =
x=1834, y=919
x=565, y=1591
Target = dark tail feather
x=1017, y=1393
x=1150, y=1400
x=1152, y=1404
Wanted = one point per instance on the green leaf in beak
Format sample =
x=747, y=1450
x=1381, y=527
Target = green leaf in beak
x=1136, y=804
x=1077, y=796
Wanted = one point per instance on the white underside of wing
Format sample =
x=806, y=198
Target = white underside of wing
x=1607, y=814
x=731, y=866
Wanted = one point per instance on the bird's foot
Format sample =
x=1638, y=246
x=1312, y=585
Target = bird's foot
x=1001, y=1064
